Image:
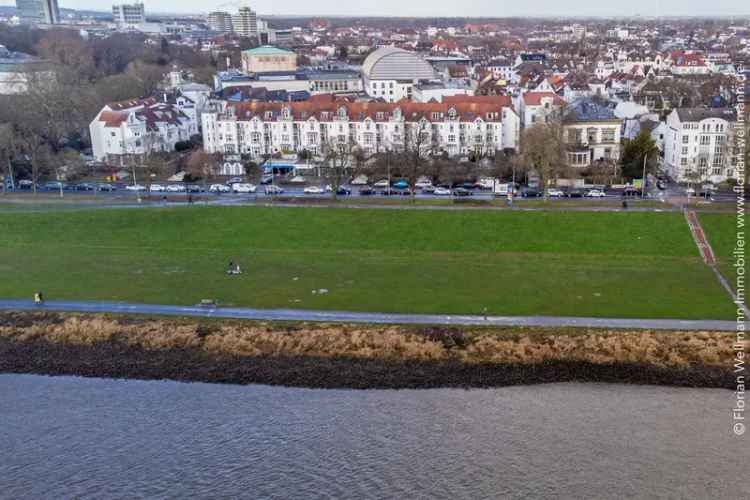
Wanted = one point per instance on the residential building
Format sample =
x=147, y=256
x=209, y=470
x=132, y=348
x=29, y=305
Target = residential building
x=592, y=133
x=539, y=107
x=458, y=128
x=390, y=73
x=38, y=11
x=127, y=129
x=245, y=22
x=699, y=145
x=268, y=58
x=220, y=21
x=128, y=16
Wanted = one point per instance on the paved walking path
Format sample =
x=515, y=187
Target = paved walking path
x=363, y=317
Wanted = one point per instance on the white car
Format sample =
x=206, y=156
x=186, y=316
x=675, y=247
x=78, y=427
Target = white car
x=274, y=189
x=421, y=184
x=135, y=187
x=244, y=188
x=555, y=193
x=314, y=190
x=175, y=188
x=157, y=188
x=219, y=188
x=441, y=191
x=381, y=184
x=690, y=192
x=596, y=193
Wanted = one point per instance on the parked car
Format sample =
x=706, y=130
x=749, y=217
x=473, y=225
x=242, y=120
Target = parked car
x=193, y=188
x=381, y=184
x=401, y=184
x=54, y=186
x=244, y=188
x=273, y=189
x=314, y=190
x=107, y=187
x=390, y=192
x=135, y=187
x=660, y=184
x=576, y=193
x=442, y=191
x=555, y=193
x=596, y=193
x=429, y=189
x=690, y=191
x=631, y=191
x=175, y=188
x=530, y=193
x=342, y=191
x=219, y=188
x=234, y=180
x=86, y=186
x=157, y=188
x=423, y=183
x=266, y=179
x=366, y=191
x=461, y=192
x=25, y=184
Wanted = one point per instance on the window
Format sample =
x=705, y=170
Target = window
x=705, y=140
x=685, y=139
x=608, y=135
x=683, y=162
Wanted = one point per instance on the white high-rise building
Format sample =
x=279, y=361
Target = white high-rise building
x=129, y=14
x=38, y=11
x=220, y=21
x=245, y=22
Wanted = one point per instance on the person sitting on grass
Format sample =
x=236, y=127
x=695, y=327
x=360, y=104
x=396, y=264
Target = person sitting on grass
x=233, y=268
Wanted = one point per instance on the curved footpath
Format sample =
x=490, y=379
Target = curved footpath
x=364, y=317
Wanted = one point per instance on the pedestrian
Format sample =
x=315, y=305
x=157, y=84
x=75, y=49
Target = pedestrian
x=230, y=267
x=38, y=298
x=624, y=204
x=190, y=199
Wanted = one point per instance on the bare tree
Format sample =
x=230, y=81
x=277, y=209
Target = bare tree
x=413, y=157
x=337, y=163
x=202, y=165
x=544, y=150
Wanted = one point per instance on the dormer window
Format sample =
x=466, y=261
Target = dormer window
x=286, y=112
x=452, y=113
x=342, y=113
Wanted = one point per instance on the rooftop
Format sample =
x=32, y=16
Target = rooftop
x=265, y=50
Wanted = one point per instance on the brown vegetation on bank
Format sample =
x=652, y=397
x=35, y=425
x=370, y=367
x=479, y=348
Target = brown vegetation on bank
x=359, y=356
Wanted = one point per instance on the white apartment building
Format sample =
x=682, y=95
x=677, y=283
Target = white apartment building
x=245, y=22
x=699, y=144
x=220, y=21
x=592, y=133
x=129, y=15
x=539, y=107
x=390, y=73
x=127, y=129
x=257, y=127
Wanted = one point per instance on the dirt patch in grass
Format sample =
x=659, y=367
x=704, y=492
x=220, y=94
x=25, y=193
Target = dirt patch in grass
x=355, y=356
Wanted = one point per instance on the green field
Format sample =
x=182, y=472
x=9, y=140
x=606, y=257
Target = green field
x=618, y=264
x=721, y=231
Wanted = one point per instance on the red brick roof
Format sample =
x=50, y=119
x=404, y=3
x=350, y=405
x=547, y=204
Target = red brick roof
x=535, y=98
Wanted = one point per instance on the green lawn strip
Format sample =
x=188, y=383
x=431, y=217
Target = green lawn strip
x=721, y=231
x=365, y=281
x=295, y=229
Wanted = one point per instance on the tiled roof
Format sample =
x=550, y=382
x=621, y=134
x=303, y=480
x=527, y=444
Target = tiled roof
x=535, y=98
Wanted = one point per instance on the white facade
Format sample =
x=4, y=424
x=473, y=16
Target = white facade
x=258, y=128
x=245, y=22
x=539, y=107
x=139, y=126
x=700, y=142
x=390, y=73
x=129, y=15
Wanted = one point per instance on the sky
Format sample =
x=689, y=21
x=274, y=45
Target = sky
x=438, y=8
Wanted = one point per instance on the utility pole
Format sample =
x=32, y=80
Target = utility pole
x=643, y=181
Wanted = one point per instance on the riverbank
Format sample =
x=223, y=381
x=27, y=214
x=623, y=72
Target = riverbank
x=355, y=356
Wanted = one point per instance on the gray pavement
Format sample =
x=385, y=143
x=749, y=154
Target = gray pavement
x=363, y=317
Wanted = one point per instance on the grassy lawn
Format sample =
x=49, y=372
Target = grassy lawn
x=721, y=231
x=633, y=264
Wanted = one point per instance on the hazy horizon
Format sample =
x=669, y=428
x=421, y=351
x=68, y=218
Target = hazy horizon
x=439, y=8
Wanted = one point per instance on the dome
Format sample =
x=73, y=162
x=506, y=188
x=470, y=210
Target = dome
x=392, y=63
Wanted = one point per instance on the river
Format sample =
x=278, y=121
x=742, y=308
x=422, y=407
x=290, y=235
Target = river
x=64, y=437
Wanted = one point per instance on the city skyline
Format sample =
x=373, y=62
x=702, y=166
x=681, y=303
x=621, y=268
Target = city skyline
x=475, y=8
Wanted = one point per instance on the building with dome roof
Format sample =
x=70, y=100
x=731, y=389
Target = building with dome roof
x=390, y=73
